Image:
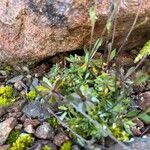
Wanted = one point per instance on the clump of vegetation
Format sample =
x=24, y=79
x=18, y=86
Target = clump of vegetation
x=13, y=136
x=46, y=147
x=117, y=132
x=53, y=122
x=67, y=145
x=144, y=52
x=92, y=95
x=31, y=95
x=92, y=100
x=6, y=95
x=22, y=143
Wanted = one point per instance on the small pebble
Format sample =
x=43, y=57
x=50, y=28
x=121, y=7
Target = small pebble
x=45, y=131
x=18, y=86
x=60, y=138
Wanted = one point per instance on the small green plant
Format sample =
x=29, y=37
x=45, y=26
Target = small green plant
x=46, y=147
x=67, y=145
x=93, y=97
x=13, y=136
x=6, y=95
x=22, y=143
x=53, y=122
x=31, y=95
x=117, y=132
x=144, y=52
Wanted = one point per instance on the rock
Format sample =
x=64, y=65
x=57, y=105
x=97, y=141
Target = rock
x=36, y=146
x=32, y=30
x=93, y=147
x=15, y=109
x=33, y=122
x=18, y=127
x=137, y=130
x=18, y=86
x=17, y=106
x=5, y=128
x=35, y=109
x=60, y=138
x=22, y=118
x=125, y=59
x=29, y=129
x=45, y=131
x=40, y=71
x=143, y=100
x=76, y=147
x=5, y=147
x=15, y=79
x=2, y=111
x=138, y=143
x=15, y=114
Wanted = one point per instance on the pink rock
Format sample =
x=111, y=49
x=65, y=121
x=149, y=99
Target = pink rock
x=29, y=129
x=32, y=30
x=5, y=128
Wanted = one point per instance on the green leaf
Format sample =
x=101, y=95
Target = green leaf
x=46, y=80
x=141, y=77
x=145, y=51
x=118, y=108
x=129, y=72
x=63, y=116
x=113, y=54
x=62, y=107
x=57, y=84
x=128, y=125
x=145, y=118
x=133, y=113
x=87, y=56
x=96, y=46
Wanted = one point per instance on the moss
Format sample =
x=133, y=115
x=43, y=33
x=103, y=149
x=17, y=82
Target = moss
x=67, y=145
x=22, y=143
x=6, y=95
x=31, y=95
x=6, y=91
x=53, y=122
x=13, y=136
x=119, y=133
x=46, y=147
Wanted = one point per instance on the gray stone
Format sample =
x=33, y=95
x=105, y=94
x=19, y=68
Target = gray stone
x=137, y=144
x=76, y=147
x=45, y=131
x=35, y=109
x=93, y=147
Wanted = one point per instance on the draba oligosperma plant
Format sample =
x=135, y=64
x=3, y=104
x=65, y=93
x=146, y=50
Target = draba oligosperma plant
x=92, y=96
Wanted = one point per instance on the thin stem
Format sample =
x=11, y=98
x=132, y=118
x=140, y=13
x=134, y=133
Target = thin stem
x=132, y=27
x=65, y=125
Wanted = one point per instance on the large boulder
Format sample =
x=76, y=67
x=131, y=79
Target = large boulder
x=31, y=30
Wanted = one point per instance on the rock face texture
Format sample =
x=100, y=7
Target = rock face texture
x=31, y=30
